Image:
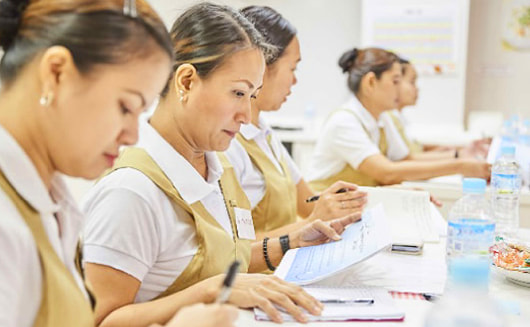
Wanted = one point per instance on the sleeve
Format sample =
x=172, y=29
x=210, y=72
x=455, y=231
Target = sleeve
x=20, y=275
x=397, y=148
x=349, y=140
x=121, y=230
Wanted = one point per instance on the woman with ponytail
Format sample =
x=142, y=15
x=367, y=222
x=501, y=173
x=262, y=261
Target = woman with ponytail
x=353, y=146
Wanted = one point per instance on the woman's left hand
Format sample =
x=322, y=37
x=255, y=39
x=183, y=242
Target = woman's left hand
x=318, y=231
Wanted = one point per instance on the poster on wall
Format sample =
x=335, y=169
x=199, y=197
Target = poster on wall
x=425, y=32
x=516, y=25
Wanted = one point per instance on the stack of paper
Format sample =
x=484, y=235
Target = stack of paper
x=382, y=308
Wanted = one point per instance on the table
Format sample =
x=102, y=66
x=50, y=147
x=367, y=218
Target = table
x=416, y=310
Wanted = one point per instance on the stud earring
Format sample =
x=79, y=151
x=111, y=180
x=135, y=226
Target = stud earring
x=46, y=100
x=181, y=95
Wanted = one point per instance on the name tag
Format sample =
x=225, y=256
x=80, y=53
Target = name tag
x=244, y=224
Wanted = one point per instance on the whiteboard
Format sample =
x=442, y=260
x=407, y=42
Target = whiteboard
x=432, y=34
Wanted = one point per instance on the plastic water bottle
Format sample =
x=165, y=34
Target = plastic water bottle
x=524, y=133
x=465, y=302
x=471, y=229
x=523, y=153
x=505, y=186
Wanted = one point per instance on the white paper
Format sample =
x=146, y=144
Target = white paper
x=384, y=307
x=409, y=214
x=359, y=241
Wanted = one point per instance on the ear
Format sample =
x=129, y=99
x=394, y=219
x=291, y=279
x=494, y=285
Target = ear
x=55, y=65
x=185, y=76
x=368, y=82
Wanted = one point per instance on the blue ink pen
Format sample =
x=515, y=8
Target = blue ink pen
x=316, y=197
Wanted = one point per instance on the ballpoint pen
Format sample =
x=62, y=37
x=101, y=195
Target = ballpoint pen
x=227, y=283
x=364, y=301
x=316, y=197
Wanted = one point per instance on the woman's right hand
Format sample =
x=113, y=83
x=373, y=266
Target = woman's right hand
x=333, y=205
x=474, y=168
x=204, y=315
x=270, y=294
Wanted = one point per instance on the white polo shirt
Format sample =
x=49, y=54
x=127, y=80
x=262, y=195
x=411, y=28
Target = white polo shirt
x=249, y=176
x=132, y=225
x=397, y=148
x=343, y=140
x=20, y=267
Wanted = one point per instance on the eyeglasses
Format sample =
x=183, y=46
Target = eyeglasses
x=129, y=8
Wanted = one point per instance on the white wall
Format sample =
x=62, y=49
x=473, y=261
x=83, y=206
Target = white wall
x=325, y=29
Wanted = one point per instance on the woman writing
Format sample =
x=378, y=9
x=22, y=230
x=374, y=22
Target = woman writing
x=268, y=175
x=171, y=216
x=353, y=146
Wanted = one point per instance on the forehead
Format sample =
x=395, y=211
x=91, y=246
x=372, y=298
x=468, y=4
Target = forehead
x=244, y=64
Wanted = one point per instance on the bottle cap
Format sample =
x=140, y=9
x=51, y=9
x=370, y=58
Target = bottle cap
x=508, y=150
x=474, y=185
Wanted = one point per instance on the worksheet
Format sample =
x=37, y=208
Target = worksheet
x=360, y=241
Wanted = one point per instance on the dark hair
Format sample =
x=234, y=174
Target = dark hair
x=276, y=30
x=404, y=64
x=359, y=62
x=94, y=31
x=206, y=34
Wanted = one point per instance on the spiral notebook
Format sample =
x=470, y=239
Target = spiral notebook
x=383, y=307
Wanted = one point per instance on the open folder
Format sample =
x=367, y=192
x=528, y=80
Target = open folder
x=349, y=303
x=360, y=241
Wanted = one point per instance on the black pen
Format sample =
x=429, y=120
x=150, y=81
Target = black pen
x=227, y=283
x=364, y=301
x=316, y=197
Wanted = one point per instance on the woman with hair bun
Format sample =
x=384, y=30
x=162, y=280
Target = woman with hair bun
x=75, y=77
x=353, y=146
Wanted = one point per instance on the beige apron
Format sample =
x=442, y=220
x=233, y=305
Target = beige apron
x=216, y=249
x=414, y=147
x=63, y=303
x=278, y=206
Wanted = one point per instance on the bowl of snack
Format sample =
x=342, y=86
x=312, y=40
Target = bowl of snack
x=511, y=259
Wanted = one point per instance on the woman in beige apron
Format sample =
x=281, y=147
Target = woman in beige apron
x=398, y=136
x=267, y=173
x=353, y=146
x=70, y=97
x=170, y=217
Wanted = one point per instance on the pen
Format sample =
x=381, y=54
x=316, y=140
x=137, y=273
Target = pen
x=430, y=296
x=365, y=301
x=316, y=197
x=227, y=283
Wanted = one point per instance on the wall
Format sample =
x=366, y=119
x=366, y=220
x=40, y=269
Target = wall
x=325, y=31
x=497, y=79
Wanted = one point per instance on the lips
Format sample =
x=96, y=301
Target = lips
x=230, y=133
x=110, y=159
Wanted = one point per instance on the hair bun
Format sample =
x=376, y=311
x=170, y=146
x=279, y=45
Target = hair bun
x=347, y=59
x=10, y=16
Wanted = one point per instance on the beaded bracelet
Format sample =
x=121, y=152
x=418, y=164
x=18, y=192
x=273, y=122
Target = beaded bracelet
x=266, y=255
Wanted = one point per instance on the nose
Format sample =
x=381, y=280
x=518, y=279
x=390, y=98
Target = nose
x=129, y=134
x=243, y=115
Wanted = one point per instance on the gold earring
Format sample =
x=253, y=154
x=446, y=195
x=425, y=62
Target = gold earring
x=46, y=100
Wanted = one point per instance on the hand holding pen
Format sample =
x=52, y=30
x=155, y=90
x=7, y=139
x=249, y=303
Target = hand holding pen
x=226, y=287
x=339, y=200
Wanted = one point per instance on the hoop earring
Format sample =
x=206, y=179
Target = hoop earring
x=46, y=100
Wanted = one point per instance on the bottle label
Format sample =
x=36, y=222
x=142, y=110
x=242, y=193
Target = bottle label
x=470, y=236
x=505, y=183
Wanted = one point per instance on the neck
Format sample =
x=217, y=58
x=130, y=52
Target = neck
x=175, y=131
x=370, y=105
x=20, y=115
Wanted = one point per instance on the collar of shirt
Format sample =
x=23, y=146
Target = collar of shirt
x=366, y=118
x=190, y=184
x=22, y=174
x=260, y=134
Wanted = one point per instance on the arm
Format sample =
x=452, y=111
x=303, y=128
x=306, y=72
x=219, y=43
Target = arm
x=200, y=315
x=387, y=172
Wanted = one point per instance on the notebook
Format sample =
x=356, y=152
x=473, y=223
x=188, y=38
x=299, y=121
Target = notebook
x=383, y=308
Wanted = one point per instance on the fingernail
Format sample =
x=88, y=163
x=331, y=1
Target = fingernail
x=302, y=318
x=278, y=318
x=316, y=310
x=337, y=238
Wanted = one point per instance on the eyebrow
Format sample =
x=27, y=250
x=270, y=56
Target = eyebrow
x=138, y=94
x=246, y=81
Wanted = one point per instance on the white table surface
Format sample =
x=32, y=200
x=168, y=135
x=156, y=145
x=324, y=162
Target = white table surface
x=416, y=310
